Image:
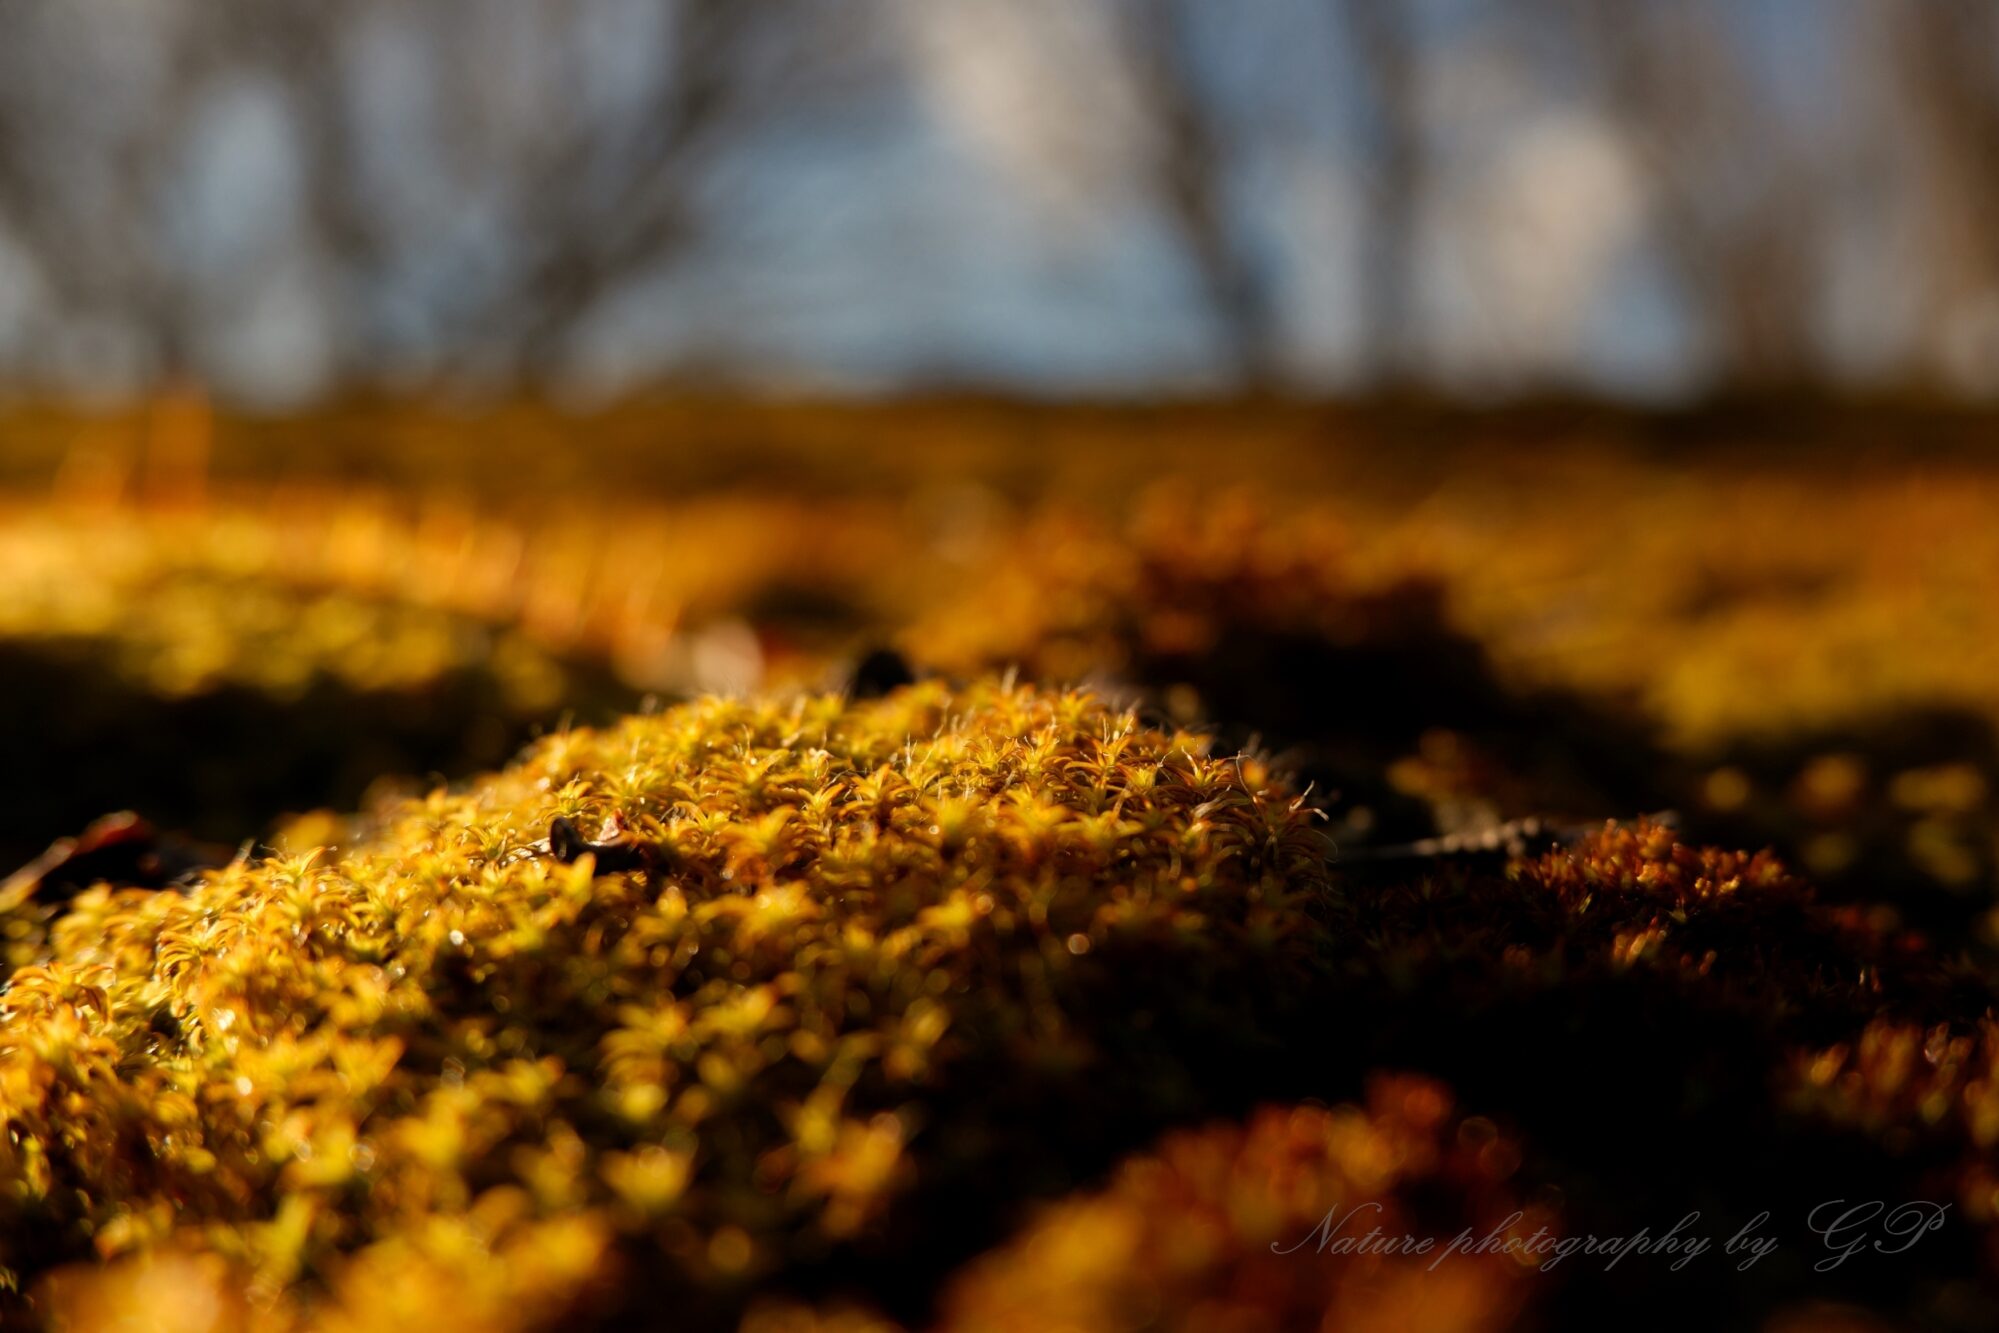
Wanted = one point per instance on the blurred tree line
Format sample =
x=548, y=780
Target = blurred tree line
x=290, y=196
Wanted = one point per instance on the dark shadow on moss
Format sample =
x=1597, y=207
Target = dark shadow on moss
x=1642, y=1095
x=1639, y=1101
x=1901, y=807
x=1341, y=703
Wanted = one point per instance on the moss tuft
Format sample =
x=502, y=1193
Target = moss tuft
x=863, y=936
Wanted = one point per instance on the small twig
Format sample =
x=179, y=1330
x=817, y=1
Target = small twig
x=1515, y=838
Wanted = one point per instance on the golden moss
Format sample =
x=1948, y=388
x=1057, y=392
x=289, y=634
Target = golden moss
x=1223, y=1228
x=836, y=926
x=1737, y=598
x=863, y=959
x=333, y=1067
x=1747, y=630
x=274, y=590
x=1766, y=621
x=1074, y=597
x=258, y=655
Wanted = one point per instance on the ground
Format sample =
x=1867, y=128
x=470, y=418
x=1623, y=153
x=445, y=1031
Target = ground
x=1052, y=987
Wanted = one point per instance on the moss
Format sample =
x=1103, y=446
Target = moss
x=1300, y=1217
x=322, y=1067
x=816, y=997
x=1738, y=928
x=1929, y=1094
x=1241, y=1227
x=1550, y=627
x=221, y=665
x=1279, y=624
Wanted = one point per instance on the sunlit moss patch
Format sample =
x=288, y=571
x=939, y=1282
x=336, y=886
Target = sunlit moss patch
x=374, y=1068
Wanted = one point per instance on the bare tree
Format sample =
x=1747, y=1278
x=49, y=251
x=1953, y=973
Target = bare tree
x=1190, y=175
x=584, y=198
x=86, y=193
x=1389, y=57
x=522, y=206
x=1735, y=204
x=1946, y=56
x=601, y=204
x=1196, y=155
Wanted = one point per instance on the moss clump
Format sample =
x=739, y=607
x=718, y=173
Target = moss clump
x=272, y=590
x=813, y=998
x=175, y=604
x=1271, y=621
x=869, y=941
x=1223, y=1228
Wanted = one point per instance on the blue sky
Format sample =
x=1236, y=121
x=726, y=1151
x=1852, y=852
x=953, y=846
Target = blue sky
x=970, y=207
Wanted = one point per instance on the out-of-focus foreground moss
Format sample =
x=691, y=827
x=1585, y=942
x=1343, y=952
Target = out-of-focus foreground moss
x=1217, y=1228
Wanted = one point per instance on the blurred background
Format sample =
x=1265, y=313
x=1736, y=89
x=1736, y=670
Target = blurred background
x=1564, y=407
x=1650, y=200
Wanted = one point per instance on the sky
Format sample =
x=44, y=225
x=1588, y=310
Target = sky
x=963, y=210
